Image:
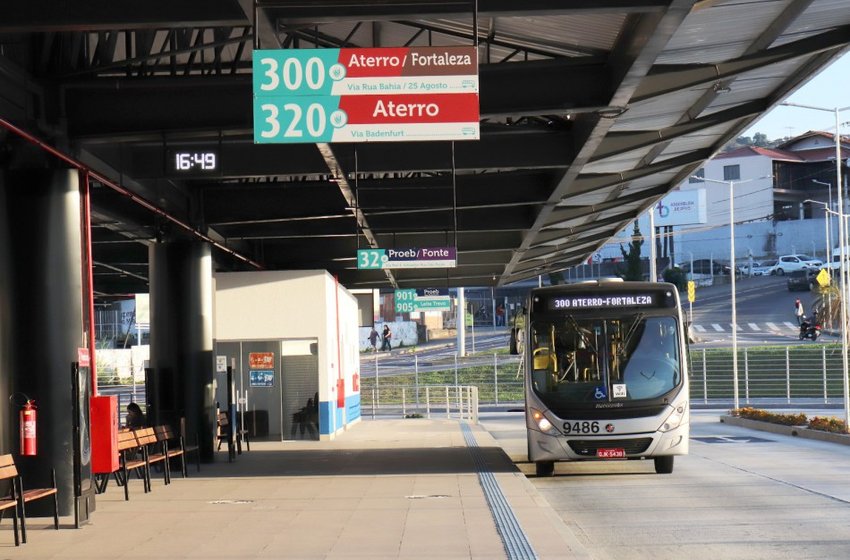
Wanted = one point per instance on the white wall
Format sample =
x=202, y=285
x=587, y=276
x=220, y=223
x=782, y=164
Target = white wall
x=753, y=199
x=268, y=305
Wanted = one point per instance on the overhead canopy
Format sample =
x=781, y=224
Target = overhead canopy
x=590, y=111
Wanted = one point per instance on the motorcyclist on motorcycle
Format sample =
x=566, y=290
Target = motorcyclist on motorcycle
x=810, y=329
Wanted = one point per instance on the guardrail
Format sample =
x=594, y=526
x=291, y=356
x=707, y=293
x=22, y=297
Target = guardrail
x=429, y=401
x=779, y=373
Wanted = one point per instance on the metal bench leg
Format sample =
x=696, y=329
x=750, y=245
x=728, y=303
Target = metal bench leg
x=23, y=510
x=55, y=503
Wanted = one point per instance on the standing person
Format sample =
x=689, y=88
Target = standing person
x=798, y=311
x=500, y=316
x=373, y=339
x=387, y=336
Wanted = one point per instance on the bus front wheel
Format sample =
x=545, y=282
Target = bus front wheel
x=664, y=465
x=545, y=468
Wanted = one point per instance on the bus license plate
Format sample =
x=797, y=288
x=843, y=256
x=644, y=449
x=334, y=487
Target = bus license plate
x=615, y=453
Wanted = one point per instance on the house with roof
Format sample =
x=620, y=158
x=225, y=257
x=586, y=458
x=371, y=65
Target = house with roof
x=773, y=190
x=773, y=183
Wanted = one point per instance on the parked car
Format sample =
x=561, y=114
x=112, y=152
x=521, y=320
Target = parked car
x=764, y=268
x=803, y=280
x=790, y=263
x=760, y=268
x=706, y=266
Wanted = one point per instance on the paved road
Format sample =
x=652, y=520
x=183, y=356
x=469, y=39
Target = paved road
x=764, y=308
x=438, y=355
x=739, y=494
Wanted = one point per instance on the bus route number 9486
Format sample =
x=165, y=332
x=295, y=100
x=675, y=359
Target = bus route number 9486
x=581, y=427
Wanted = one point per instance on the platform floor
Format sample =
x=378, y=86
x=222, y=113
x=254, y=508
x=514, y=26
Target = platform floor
x=384, y=489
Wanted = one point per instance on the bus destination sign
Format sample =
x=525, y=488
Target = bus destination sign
x=605, y=301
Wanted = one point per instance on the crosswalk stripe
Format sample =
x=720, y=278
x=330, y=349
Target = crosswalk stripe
x=750, y=327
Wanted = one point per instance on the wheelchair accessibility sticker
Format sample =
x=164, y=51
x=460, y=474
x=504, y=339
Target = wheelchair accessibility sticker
x=599, y=393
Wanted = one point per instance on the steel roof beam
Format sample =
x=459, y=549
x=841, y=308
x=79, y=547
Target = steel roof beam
x=106, y=15
x=642, y=39
x=589, y=183
x=670, y=78
x=622, y=142
x=319, y=11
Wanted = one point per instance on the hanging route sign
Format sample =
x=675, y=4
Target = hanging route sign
x=427, y=299
x=363, y=95
x=430, y=257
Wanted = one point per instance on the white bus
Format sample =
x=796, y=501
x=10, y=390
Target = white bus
x=606, y=374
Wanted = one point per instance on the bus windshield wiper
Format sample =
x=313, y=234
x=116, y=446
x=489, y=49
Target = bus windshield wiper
x=631, y=332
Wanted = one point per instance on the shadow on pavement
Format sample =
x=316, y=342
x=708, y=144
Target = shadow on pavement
x=355, y=462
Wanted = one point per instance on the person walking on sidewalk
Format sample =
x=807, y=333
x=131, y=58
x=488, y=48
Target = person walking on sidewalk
x=798, y=311
x=373, y=339
x=387, y=336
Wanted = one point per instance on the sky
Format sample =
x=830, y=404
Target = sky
x=829, y=89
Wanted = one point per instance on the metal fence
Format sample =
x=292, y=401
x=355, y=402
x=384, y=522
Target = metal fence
x=495, y=376
x=777, y=373
x=430, y=401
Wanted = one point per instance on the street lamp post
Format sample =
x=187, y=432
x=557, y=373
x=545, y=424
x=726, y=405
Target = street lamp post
x=842, y=243
x=733, y=275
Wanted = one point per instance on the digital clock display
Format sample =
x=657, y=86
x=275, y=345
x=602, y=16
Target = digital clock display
x=195, y=161
x=192, y=161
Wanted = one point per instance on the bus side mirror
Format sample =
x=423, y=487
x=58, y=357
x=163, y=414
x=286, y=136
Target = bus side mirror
x=513, y=346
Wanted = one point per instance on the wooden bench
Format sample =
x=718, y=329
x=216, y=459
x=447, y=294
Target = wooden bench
x=174, y=447
x=188, y=446
x=10, y=501
x=224, y=433
x=131, y=458
x=153, y=452
x=24, y=496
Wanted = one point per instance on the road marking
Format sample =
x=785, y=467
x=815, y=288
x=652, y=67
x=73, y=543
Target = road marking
x=791, y=326
x=772, y=326
x=717, y=327
x=699, y=328
x=754, y=326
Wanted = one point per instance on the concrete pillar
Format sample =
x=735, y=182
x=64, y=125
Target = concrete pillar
x=7, y=301
x=181, y=383
x=41, y=290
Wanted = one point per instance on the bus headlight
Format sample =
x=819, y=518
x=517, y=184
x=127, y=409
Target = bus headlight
x=674, y=420
x=542, y=423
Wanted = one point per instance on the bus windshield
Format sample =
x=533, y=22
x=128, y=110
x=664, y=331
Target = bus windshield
x=584, y=361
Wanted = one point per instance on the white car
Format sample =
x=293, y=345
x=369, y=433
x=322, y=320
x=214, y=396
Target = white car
x=762, y=268
x=790, y=263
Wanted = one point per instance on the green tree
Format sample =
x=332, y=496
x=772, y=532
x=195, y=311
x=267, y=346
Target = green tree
x=760, y=140
x=633, y=269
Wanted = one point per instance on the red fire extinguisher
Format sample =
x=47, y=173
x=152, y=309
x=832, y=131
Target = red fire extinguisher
x=28, y=423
